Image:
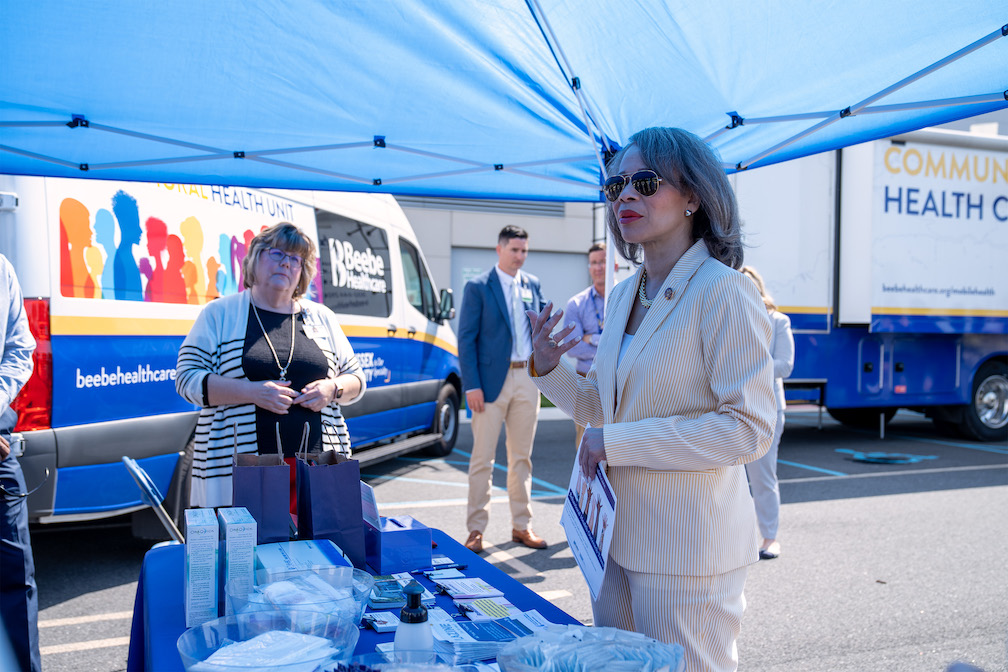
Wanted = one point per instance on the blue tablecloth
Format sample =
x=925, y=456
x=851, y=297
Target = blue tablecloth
x=159, y=619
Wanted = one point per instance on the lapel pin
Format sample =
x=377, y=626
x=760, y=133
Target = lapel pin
x=669, y=293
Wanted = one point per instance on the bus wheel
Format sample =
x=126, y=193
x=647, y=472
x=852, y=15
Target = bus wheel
x=986, y=416
x=446, y=422
x=861, y=418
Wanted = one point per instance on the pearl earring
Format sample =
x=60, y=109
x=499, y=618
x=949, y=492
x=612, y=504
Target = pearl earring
x=689, y=212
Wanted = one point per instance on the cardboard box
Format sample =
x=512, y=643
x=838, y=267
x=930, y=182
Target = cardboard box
x=238, y=541
x=272, y=561
x=400, y=544
x=201, y=558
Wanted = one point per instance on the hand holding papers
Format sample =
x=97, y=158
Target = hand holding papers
x=587, y=518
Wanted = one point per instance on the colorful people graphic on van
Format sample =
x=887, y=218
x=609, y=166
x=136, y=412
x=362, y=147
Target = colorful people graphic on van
x=75, y=237
x=126, y=273
x=115, y=256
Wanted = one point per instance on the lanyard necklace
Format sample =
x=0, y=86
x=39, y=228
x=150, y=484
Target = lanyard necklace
x=598, y=315
x=290, y=357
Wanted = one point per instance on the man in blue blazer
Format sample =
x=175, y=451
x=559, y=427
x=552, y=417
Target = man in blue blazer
x=495, y=343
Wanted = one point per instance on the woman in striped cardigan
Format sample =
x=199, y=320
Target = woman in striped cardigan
x=679, y=398
x=266, y=358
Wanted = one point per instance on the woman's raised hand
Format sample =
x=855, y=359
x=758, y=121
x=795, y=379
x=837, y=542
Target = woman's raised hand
x=547, y=350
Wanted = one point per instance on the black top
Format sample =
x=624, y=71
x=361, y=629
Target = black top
x=308, y=365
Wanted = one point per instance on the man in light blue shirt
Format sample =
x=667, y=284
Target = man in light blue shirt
x=586, y=311
x=18, y=593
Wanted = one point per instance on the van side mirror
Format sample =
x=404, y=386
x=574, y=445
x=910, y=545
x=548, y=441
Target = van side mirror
x=446, y=308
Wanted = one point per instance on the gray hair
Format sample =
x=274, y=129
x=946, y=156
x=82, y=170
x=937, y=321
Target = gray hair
x=689, y=164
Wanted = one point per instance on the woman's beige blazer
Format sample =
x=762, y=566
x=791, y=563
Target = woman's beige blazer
x=689, y=404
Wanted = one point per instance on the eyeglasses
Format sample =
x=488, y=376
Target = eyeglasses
x=645, y=183
x=279, y=255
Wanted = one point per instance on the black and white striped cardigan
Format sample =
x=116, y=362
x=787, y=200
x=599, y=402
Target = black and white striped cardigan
x=215, y=345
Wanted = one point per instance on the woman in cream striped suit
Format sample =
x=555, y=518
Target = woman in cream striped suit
x=679, y=399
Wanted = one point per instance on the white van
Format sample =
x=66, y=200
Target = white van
x=115, y=273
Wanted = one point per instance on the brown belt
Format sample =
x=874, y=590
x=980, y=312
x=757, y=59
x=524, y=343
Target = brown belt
x=519, y=365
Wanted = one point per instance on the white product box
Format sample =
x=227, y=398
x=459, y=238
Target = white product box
x=200, y=566
x=238, y=541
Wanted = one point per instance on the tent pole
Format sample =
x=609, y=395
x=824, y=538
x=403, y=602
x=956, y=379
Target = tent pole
x=854, y=109
x=575, y=83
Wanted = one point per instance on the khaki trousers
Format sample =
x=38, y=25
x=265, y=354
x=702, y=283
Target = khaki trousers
x=516, y=407
x=703, y=614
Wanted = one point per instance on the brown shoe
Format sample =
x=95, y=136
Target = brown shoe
x=475, y=542
x=529, y=538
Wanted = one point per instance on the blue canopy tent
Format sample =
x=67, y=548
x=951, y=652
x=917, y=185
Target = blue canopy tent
x=471, y=98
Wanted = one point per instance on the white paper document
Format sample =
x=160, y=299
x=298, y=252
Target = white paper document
x=587, y=518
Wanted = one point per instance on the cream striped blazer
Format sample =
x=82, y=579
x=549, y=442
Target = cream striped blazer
x=689, y=404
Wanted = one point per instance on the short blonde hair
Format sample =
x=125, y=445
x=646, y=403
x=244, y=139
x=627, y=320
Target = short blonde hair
x=757, y=279
x=289, y=238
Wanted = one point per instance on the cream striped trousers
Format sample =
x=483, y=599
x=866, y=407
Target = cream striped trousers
x=703, y=614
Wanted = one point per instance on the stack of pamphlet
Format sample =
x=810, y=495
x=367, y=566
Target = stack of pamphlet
x=464, y=642
x=387, y=592
x=467, y=588
x=487, y=608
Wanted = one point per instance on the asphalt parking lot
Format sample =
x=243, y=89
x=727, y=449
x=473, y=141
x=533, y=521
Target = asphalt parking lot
x=896, y=567
x=891, y=564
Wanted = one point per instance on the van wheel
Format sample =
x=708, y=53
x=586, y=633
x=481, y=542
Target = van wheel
x=177, y=499
x=985, y=418
x=861, y=418
x=446, y=422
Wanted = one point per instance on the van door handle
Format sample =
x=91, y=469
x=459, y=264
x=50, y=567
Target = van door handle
x=411, y=332
x=392, y=329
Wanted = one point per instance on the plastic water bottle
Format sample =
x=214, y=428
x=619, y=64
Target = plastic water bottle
x=413, y=634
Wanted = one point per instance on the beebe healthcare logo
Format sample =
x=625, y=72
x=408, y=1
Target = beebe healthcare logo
x=142, y=374
x=353, y=269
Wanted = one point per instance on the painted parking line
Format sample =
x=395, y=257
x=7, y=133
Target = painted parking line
x=805, y=420
x=84, y=646
x=79, y=620
x=992, y=448
x=811, y=468
x=460, y=501
x=499, y=556
x=556, y=489
x=408, y=479
x=896, y=472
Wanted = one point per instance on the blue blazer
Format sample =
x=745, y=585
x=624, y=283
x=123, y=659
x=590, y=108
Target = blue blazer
x=484, y=338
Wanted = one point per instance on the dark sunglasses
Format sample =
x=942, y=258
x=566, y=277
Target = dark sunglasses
x=279, y=255
x=645, y=183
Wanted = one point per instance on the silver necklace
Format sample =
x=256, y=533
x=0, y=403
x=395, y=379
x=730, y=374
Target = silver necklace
x=641, y=294
x=276, y=358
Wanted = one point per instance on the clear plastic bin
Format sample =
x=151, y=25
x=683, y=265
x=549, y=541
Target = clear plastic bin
x=290, y=640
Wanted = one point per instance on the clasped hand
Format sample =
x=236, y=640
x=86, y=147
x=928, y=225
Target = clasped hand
x=277, y=396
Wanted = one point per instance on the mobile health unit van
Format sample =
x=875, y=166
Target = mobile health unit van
x=115, y=273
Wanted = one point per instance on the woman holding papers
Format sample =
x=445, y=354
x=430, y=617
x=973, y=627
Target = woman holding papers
x=680, y=397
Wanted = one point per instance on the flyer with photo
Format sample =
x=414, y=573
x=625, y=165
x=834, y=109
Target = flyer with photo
x=587, y=519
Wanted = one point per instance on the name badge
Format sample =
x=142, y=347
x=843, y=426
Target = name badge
x=313, y=331
x=526, y=295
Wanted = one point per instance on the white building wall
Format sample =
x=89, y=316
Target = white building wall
x=459, y=239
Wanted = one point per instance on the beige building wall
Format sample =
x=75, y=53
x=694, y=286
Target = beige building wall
x=458, y=238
